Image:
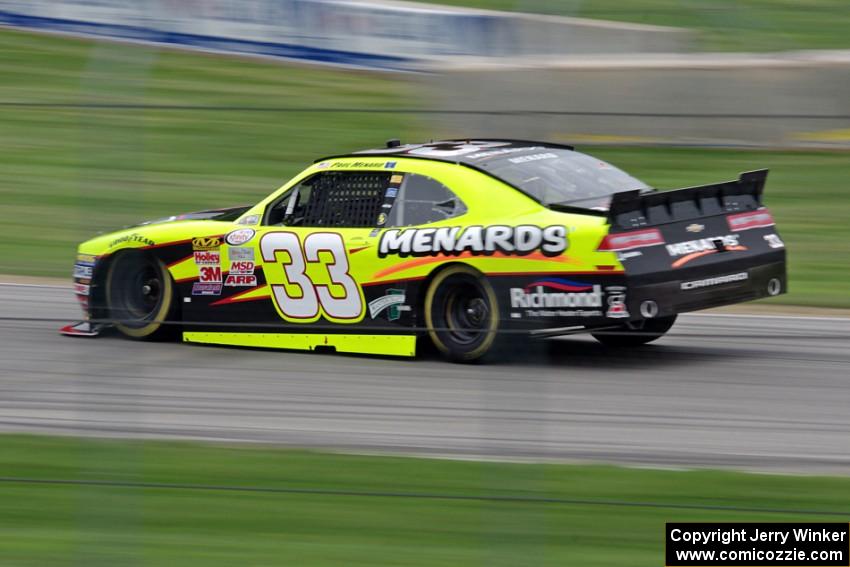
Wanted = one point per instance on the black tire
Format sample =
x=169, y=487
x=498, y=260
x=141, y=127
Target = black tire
x=462, y=314
x=140, y=296
x=636, y=334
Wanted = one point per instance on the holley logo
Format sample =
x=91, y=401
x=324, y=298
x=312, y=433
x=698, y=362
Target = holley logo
x=207, y=258
x=555, y=293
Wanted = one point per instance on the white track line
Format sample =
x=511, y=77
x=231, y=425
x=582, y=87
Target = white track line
x=752, y=316
x=45, y=286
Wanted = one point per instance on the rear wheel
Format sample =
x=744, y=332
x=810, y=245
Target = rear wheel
x=636, y=334
x=462, y=314
x=140, y=297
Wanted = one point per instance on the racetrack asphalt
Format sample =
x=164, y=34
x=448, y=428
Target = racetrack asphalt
x=727, y=391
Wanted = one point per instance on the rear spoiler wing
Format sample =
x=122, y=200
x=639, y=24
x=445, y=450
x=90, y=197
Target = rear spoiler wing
x=633, y=209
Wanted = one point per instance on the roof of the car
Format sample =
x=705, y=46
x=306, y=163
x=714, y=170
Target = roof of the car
x=469, y=152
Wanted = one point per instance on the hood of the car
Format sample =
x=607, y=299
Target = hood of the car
x=225, y=214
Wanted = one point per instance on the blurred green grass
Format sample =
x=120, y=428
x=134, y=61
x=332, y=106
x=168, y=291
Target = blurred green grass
x=66, y=174
x=723, y=25
x=63, y=524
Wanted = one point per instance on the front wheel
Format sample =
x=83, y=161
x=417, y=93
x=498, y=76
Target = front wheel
x=140, y=297
x=636, y=334
x=462, y=314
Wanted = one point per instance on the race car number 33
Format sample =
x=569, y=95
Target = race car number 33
x=305, y=285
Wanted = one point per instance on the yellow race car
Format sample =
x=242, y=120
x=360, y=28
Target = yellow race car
x=467, y=244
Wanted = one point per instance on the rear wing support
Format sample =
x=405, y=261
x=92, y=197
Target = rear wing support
x=634, y=209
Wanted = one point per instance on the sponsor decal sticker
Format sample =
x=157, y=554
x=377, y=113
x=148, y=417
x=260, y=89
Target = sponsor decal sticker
x=631, y=240
x=239, y=237
x=83, y=270
x=201, y=288
x=623, y=256
x=746, y=221
x=397, y=178
x=493, y=153
x=392, y=302
x=692, y=249
x=209, y=274
x=359, y=164
x=323, y=165
x=533, y=157
x=207, y=257
x=81, y=289
x=451, y=241
x=244, y=267
x=241, y=254
x=557, y=297
x=206, y=243
x=616, y=297
x=391, y=192
x=240, y=280
x=718, y=280
x=774, y=241
x=86, y=259
x=390, y=165
x=691, y=246
x=695, y=227
x=382, y=219
x=134, y=238
x=250, y=219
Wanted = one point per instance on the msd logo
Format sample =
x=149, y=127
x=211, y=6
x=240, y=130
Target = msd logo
x=242, y=267
x=556, y=292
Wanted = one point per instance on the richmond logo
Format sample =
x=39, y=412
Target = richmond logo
x=556, y=293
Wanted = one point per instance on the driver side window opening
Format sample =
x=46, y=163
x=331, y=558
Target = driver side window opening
x=332, y=199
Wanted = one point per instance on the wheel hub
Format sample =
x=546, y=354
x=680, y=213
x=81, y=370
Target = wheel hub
x=477, y=311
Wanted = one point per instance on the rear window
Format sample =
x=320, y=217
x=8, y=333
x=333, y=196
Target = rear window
x=564, y=177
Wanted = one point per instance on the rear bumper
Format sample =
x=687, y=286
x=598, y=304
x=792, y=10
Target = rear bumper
x=705, y=290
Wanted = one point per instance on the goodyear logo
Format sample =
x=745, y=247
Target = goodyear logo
x=206, y=243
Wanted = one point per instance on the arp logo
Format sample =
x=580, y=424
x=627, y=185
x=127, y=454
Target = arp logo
x=206, y=243
x=240, y=281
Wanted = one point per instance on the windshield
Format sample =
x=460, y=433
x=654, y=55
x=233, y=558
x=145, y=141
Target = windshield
x=557, y=176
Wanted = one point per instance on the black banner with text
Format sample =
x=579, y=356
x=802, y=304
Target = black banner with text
x=756, y=544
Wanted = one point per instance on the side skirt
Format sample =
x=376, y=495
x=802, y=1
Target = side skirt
x=387, y=345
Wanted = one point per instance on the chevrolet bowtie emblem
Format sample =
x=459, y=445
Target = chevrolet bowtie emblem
x=695, y=227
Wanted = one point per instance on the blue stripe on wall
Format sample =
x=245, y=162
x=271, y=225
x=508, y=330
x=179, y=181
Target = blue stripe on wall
x=222, y=44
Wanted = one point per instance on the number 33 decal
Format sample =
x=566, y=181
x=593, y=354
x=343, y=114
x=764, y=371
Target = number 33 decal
x=302, y=300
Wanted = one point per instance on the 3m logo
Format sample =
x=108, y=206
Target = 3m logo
x=206, y=243
x=210, y=274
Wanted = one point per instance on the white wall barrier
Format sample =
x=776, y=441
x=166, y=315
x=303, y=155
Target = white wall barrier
x=384, y=35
